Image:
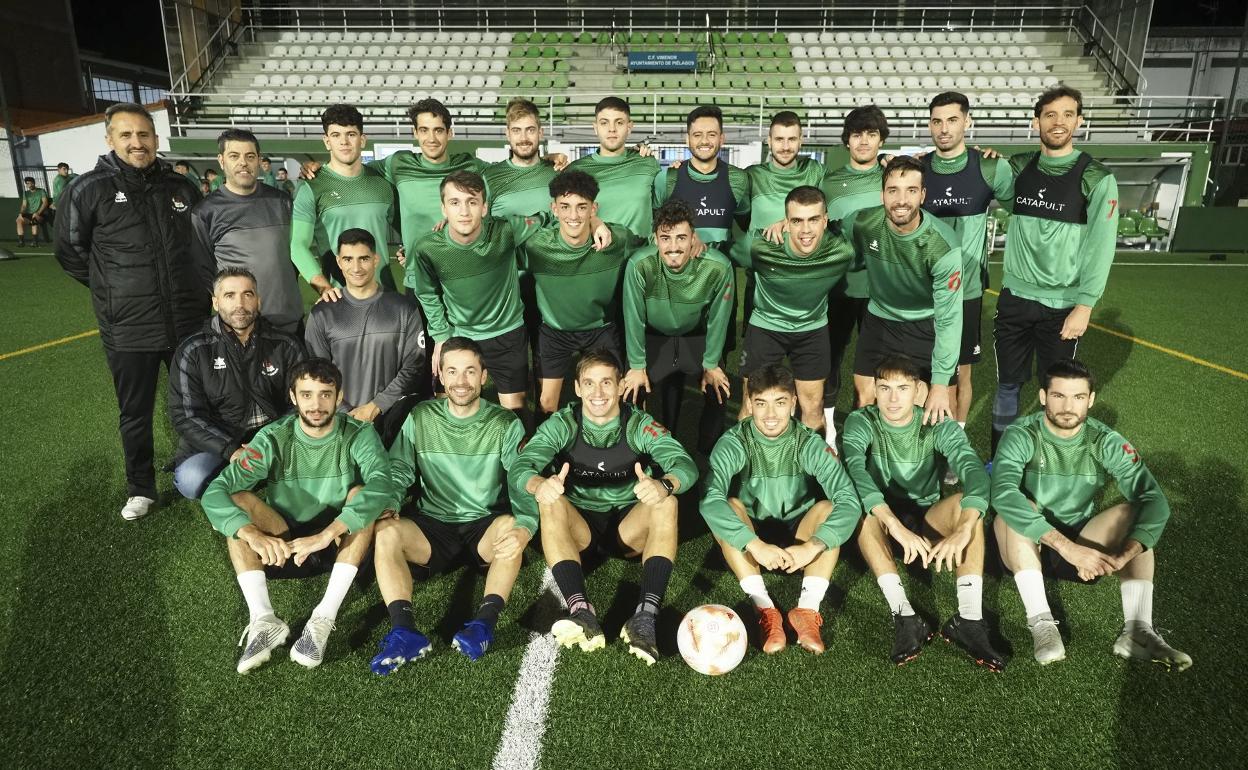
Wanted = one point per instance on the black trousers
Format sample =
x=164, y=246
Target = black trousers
x=135, y=376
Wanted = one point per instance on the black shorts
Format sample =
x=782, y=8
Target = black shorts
x=972, y=311
x=506, y=358
x=666, y=356
x=1051, y=562
x=880, y=337
x=321, y=561
x=27, y=216
x=1023, y=329
x=451, y=544
x=604, y=530
x=778, y=532
x=557, y=350
x=807, y=351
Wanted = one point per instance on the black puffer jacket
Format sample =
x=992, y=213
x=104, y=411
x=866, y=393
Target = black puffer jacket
x=126, y=234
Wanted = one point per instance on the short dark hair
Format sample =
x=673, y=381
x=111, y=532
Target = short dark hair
x=266, y=158
x=705, y=111
x=185, y=163
x=572, y=182
x=896, y=363
x=900, y=164
x=236, y=135
x=127, y=107
x=341, y=115
x=784, y=118
x=520, y=107
x=868, y=118
x=671, y=213
x=612, y=103
x=460, y=343
x=947, y=98
x=1068, y=369
x=469, y=181
x=280, y=170
x=1057, y=92
x=433, y=107
x=805, y=195
x=233, y=271
x=63, y=165
x=769, y=377
x=355, y=236
x=319, y=369
x=210, y=172
x=598, y=357
x=30, y=179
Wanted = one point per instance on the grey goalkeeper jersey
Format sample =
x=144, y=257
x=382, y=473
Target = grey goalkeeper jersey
x=378, y=343
x=253, y=231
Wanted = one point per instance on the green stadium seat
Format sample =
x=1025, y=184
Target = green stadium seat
x=529, y=65
x=668, y=38
x=732, y=38
x=686, y=38
x=511, y=81
x=585, y=38
x=566, y=38
x=520, y=38
x=779, y=38
x=1127, y=228
x=550, y=52
x=533, y=52
x=560, y=82
x=563, y=66
x=565, y=52
x=546, y=65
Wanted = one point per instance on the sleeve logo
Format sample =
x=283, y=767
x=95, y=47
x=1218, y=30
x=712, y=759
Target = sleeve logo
x=955, y=281
x=249, y=454
x=1129, y=451
x=655, y=429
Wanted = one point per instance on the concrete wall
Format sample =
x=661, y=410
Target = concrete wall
x=1197, y=63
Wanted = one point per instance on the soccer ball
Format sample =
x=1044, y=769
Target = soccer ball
x=712, y=639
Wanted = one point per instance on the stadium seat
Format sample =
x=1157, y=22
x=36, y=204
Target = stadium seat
x=279, y=51
x=922, y=37
x=920, y=65
x=351, y=65
x=317, y=37
x=333, y=36
x=260, y=80
x=286, y=65
x=853, y=65
x=988, y=66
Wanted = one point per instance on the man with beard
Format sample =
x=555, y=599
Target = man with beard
x=914, y=267
x=326, y=479
x=518, y=185
x=247, y=224
x=773, y=179
x=456, y=451
x=625, y=177
x=227, y=381
x=1047, y=474
x=1058, y=255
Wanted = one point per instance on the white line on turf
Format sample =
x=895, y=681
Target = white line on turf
x=1166, y=264
x=521, y=745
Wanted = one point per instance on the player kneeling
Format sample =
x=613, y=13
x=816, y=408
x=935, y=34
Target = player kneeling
x=897, y=462
x=311, y=464
x=777, y=498
x=1049, y=468
x=457, y=451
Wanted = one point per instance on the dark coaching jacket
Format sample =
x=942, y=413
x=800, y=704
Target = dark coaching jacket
x=126, y=234
x=214, y=380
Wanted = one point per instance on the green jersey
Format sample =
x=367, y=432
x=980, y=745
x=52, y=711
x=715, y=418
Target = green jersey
x=471, y=290
x=216, y=182
x=972, y=230
x=59, y=182
x=329, y=204
x=769, y=186
x=518, y=190
x=777, y=478
x=1063, y=477
x=791, y=291
x=302, y=476
x=696, y=300
x=34, y=199
x=914, y=277
x=889, y=463
x=418, y=180
x=625, y=188
x=268, y=177
x=643, y=434
x=849, y=191
x=738, y=183
x=459, y=464
x=1062, y=264
x=562, y=272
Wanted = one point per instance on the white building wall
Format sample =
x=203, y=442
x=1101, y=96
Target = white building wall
x=81, y=146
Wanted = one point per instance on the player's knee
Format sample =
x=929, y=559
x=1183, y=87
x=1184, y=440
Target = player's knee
x=386, y=532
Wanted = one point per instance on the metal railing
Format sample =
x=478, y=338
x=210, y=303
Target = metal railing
x=1110, y=56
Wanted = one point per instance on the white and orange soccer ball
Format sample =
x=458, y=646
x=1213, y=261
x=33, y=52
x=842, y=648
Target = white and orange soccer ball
x=712, y=639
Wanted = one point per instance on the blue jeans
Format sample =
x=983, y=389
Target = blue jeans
x=193, y=474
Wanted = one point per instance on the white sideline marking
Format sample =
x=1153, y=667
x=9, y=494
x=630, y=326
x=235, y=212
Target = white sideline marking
x=521, y=745
x=1162, y=264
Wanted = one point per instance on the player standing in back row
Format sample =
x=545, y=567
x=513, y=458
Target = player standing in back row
x=625, y=177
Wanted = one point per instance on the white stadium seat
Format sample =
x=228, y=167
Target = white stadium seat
x=938, y=66
x=954, y=66
x=1005, y=65
x=505, y=38
x=853, y=65
x=286, y=65
x=905, y=65
x=970, y=37
x=971, y=66
x=308, y=81
x=437, y=52
x=466, y=65
x=472, y=37
x=317, y=37
x=442, y=37
x=260, y=80
x=835, y=65
x=897, y=52
x=489, y=38
x=981, y=82
x=477, y=82
x=365, y=36
x=843, y=82
x=459, y=37
x=384, y=65
x=794, y=38
x=333, y=36
x=1019, y=37
x=880, y=52
x=1018, y=82
x=342, y=80
x=810, y=38
x=287, y=36
x=498, y=65
x=964, y=53
x=988, y=65
x=421, y=52
x=814, y=52
x=401, y=65
x=373, y=51
x=351, y=65
x=905, y=38
x=870, y=65
x=862, y=52
x=956, y=38
x=493, y=81
x=393, y=80
x=459, y=81
x=390, y=51
x=919, y=65
x=442, y=81
x=895, y=83
x=931, y=52
x=808, y=82
x=840, y=38
x=875, y=37
x=277, y=81
x=798, y=52
x=279, y=51
x=471, y=52
x=303, y=65
x=411, y=80
x=922, y=38
x=802, y=66
x=940, y=38
x=426, y=81
x=405, y=51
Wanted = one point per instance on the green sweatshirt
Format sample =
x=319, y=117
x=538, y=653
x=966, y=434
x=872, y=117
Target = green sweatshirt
x=777, y=478
x=33, y=200
x=972, y=230
x=303, y=476
x=578, y=287
x=625, y=188
x=698, y=298
x=790, y=291
x=330, y=203
x=898, y=463
x=665, y=184
x=518, y=190
x=1064, y=476
x=460, y=464
x=850, y=191
x=1060, y=264
x=59, y=182
x=417, y=181
x=644, y=434
x=769, y=186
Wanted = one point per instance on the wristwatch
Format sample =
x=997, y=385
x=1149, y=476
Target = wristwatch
x=668, y=485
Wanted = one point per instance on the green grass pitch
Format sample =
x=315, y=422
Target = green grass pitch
x=119, y=638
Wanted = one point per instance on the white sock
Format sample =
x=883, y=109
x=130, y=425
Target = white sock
x=255, y=593
x=828, y=413
x=813, y=589
x=1137, y=601
x=339, y=583
x=1030, y=584
x=894, y=594
x=971, y=597
x=757, y=591
x=962, y=424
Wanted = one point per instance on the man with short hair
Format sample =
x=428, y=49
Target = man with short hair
x=31, y=211
x=773, y=179
x=266, y=175
x=519, y=185
x=246, y=224
x=677, y=313
x=326, y=479
x=1048, y=472
x=125, y=232
x=778, y=499
x=586, y=467
x=227, y=381
x=184, y=168
x=625, y=177
x=896, y=462
x=213, y=179
x=456, y=451
x=1063, y=233
x=284, y=184
x=63, y=177
x=377, y=338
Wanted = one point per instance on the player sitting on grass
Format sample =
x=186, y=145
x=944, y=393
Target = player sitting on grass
x=586, y=467
x=1049, y=468
x=457, y=451
x=327, y=478
x=777, y=498
x=897, y=461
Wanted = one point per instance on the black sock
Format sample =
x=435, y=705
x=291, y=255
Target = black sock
x=401, y=614
x=491, y=607
x=996, y=439
x=654, y=576
x=571, y=581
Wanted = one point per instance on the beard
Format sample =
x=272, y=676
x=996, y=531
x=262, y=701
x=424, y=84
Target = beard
x=1065, y=420
x=315, y=422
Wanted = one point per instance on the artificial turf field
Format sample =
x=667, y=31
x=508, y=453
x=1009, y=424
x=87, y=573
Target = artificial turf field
x=118, y=638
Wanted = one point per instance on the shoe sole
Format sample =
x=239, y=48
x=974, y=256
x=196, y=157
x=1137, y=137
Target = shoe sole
x=637, y=651
x=996, y=668
x=256, y=661
x=1171, y=665
x=1051, y=661
x=568, y=632
x=814, y=649
x=137, y=516
x=458, y=648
